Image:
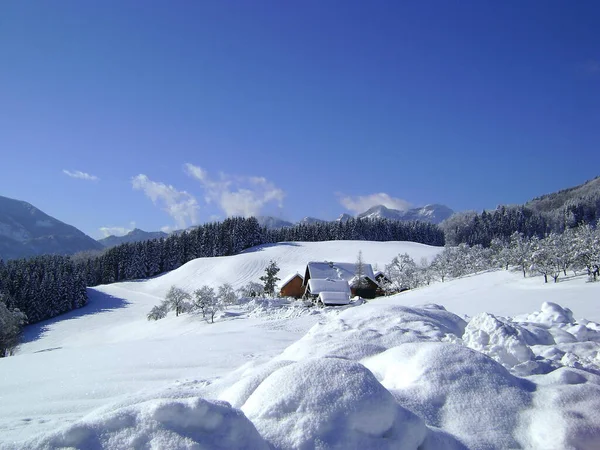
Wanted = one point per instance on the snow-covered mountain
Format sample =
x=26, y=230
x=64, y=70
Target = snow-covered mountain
x=26, y=231
x=429, y=213
x=271, y=222
x=310, y=221
x=344, y=218
x=135, y=235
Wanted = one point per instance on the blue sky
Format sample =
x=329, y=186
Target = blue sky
x=165, y=114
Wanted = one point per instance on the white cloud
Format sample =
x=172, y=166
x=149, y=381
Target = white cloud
x=116, y=231
x=81, y=175
x=361, y=203
x=168, y=229
x=237, y=195
x=180, y=205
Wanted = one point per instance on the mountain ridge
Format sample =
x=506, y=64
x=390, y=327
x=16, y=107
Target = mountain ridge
x=27, y=231
x=135, y=235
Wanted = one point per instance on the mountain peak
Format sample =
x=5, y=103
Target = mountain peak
x=434, y=213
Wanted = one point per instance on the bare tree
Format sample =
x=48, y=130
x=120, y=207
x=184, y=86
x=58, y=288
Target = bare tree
x=208, y=302
x=227, y=295
x=360, y=277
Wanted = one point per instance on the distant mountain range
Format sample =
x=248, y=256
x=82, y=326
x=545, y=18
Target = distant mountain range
x=26, y=231
x=135, y=235
x=429, y=213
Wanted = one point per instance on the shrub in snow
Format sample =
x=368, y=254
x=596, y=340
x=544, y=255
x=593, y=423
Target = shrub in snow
x=158, y=312
x=191, y=423
x=251, y=290
x=331, y=403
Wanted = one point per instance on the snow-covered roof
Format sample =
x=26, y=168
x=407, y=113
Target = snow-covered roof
x=289, y=278
x=379, y=272
x=334, y=298
x=316, y=286
x=337, y=270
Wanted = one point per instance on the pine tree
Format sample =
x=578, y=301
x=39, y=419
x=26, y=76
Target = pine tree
x=270, y=278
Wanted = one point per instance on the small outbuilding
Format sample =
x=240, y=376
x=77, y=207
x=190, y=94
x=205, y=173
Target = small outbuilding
x=292, y=286
x=315, y=286
x=333, y=298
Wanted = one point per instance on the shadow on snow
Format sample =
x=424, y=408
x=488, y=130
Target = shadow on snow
x=261, y=248
x=98, y=302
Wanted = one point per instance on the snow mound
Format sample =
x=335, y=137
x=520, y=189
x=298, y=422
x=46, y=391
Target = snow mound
x=504, y=342
x=451, y=387
x=565, y=413
x=190, y=423
x=331, y=403
x=357, y=333
x=538, y=342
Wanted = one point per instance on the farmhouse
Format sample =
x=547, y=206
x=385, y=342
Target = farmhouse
x=336, y=271
x=291, y=286
x=328, y=292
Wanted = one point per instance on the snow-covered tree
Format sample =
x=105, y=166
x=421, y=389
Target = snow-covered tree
x=11, y=323
x=177, y=300
x=207, y=302
x=251, y=289
x=402, y=273
x=588, y=249
x=270, y=278
x=501, y=255
x=158, y=312
x=227, y=295
x=520, y=251
x=441, y=265
x=541, y=258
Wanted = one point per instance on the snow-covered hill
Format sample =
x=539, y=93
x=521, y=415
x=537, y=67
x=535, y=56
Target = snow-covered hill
x=380, y=375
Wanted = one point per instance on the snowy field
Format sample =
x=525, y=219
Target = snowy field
x=386, y=374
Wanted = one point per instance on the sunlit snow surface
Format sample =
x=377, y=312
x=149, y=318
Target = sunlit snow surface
x=485, y=362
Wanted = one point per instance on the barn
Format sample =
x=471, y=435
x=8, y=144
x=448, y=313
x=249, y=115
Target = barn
x=291, y=286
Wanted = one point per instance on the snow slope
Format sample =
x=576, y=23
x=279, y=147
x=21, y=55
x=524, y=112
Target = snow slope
x=378, y=375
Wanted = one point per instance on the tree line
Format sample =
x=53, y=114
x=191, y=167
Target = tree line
x=553, y=213
x=576, y=249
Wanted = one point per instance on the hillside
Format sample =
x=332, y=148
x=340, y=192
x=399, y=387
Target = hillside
x=147, y=381
x=27, y=231
x=556, y=201
x=135, y=235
